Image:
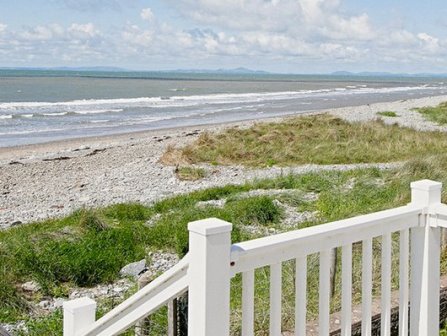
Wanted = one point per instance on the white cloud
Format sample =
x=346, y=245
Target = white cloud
x=275, y=31
x=133, y=35
x=42, y=33
x=83, y=31
x=147, y=14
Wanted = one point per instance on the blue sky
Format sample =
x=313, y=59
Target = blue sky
x=299, y=36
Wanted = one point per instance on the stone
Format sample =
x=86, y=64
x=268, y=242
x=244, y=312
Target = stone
x=134, y=269
x=58, y=302
x=31, y=286
x=45, y=304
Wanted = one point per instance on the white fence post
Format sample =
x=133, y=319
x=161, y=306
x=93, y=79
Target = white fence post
x=425, y=263
x=78, y=314
x=209, y=277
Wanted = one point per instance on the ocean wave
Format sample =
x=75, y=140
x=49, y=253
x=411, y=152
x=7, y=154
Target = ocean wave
x=98, y=106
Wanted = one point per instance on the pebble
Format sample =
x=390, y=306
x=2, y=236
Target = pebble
x=31, y=286
x=120, y=173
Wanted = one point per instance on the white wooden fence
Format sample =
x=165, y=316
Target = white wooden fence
x=212, y=261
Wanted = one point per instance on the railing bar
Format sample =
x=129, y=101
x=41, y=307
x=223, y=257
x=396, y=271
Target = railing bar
x=346, y=304
x=366, y=286
x=404, y=254
x=248, y=296
x=385, y=318
x=172, y=317
x=324, y=292
x=275, y=299
x=300, y=296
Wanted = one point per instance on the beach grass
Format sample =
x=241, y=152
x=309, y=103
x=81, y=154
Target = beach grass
x=320, y=139
x=106, y=239
x=390, y=114
x=437, y=114
x=189, y=173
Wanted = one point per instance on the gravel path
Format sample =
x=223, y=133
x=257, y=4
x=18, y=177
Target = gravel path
x=42, y=181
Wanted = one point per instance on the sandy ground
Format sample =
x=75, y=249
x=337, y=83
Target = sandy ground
x=54, y=179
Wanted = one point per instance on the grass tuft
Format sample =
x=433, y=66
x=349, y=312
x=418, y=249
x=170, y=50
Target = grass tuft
x=188, y=173
x=390, y=114
x=174, y=157
x=320, y=139
x=437, y=114
x=90, y=221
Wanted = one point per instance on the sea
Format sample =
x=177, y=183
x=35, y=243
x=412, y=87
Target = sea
x=39, y=106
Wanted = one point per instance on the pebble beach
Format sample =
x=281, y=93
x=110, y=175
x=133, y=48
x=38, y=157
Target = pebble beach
x=53, y=179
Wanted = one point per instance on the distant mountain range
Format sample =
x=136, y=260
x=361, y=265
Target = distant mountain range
x=117, y=69
x=222, y=71
x=235, y=71
x=385, y=74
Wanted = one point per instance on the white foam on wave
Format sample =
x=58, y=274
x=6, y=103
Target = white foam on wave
x=6, y=116
x=97, y=106
x=99, y=111
x=54, y=114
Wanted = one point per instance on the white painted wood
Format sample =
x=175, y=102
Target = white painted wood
x=425, y=260
x=206, y=272
x=143, y=310
x=404, y=252
x=248, y=297
x=324, y=292
x=266, y=251
x=366, y=286
x=170, y=284
x=300, y=296
x=209, y=278
x=346, y=291
x=275, y=299
x=385, y=317
x=79, y=314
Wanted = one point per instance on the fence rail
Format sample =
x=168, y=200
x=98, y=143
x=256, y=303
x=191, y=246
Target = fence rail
x=207, y=270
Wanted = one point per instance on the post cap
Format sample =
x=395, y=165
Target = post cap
x=426, y=185
x=79, y=304
x=210, y=226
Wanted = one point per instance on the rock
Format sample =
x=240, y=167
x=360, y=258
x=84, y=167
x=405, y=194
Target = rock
x=45, y=304
x=31, y=286
x=214, y=203
x=58, y=302
x=118, y=290
x=134, y=269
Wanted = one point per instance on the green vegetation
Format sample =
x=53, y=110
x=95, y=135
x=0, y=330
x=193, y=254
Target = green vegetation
x=320, y=139
x=133, y=229
x=390, y=114
x=90, y=246
x=437, y=114
x=188, y=173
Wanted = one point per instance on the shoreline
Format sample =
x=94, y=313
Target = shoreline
x=12, y=152
x=49, y=180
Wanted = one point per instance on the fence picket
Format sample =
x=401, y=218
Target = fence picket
x=248, y=296
x=385, y=318
x=324, y=292
x=366, y=286
x=300, y=296
x=346, y=318
x=275, y=299
x=404, y=254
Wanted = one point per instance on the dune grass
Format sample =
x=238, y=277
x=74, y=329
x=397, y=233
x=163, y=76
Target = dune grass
x=390, y=114
x=90, y=246
x=189, y=173
x=437, y=114
x=320, y=139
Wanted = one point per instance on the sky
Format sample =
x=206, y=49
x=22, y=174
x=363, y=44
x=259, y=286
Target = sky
x=285, y=36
